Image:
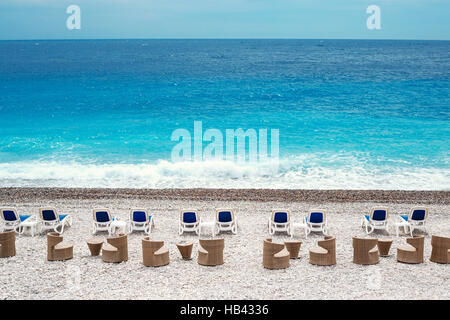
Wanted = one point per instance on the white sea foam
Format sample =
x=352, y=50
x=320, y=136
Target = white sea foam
x=303, y=172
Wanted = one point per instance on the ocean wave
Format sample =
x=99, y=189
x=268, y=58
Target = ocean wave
x=293, y=173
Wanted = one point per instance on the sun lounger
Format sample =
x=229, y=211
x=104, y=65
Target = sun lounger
x=51, y=220
x=280, y=221
x=226, y=220
x=316, y=221
x=189, y=221
x=140, y=220
x=102, y=220
x=11, y=220
x=376, y=219
x=415, y=220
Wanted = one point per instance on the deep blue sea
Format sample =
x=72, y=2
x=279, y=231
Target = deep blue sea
x=351, y=114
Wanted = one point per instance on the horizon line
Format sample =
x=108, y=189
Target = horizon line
x=100, y=39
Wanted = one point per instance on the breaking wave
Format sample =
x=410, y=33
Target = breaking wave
x=293, y=173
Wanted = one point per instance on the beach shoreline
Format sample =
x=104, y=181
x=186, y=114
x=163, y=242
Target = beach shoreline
x=258, y=195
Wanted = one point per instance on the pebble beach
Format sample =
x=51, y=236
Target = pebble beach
x=28, y=275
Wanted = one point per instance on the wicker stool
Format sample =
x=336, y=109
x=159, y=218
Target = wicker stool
x=365, y=251
x=7, y=244
x=325, y=253
x=293, y=247
x=154, y=253
x=56, y=249
x=412, y=252
x=275, y=255
x=383, y=246
x=116, y=249
x=185, y=248
x=440, y=252
x=210, y=252
x=95, y=245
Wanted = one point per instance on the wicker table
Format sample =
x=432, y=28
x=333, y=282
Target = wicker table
x=293, y=247
x=185, y=248
x=383, y=246
x=95, y=245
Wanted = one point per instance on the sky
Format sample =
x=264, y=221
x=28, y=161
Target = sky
x=298, y=19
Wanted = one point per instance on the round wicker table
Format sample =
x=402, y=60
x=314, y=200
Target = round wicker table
x=185, y=248
x=95, y=245
x=293, y=247
x=383, y=246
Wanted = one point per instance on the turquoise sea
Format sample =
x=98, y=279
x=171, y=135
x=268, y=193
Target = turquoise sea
x=351, y=114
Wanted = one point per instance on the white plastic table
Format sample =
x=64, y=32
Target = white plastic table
x=299, y=225
x=117, y=224
x=400, y=224
x=207, y=224
x=29, y=223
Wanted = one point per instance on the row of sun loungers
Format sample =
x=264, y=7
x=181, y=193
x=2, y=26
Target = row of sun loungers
x=48, y=219
x=378, y=218
x=225, y=220
x=366, y=251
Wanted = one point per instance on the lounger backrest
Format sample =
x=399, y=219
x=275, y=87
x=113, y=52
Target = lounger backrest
x=418, y=214
x=316, y=216
x=101, y=215
x=9, y=214
x=379, y=214
x=48, y=214
x=189, y=216
x=280, y=216
x=139, y=215
x=224, y=215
